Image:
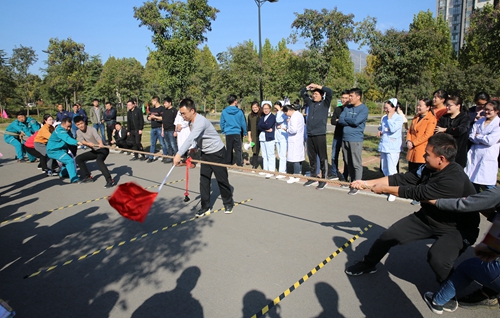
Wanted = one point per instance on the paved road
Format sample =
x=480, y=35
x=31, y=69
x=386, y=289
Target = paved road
x=217, y=266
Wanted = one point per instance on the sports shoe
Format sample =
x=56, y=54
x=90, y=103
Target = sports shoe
x=49, y=173
x=451, y=305
x=321, y=186
x=202, y=212
x=332, y=177
x=415, y=202
x=269, y=175
x=262, y=173
x=228, y=209
x=86, y=180
x=21, y=160
x=167, y=160
x=109, y=184
x=134, y=158
x=293, y=180
x=280, y=176
x=142, y=158
x=150, y=160
x=309, y=183
x=391, y=198
x=353, y=191
x=360, y=268
x=478, y=299
x=435, y=308
x=345, y=186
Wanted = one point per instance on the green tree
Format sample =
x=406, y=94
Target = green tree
x=22, y=58
x=203, y=81
x=92, y=73
x=7, y=83
x=178, y=28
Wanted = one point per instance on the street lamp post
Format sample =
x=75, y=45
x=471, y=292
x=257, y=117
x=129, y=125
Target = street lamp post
x=259, y=4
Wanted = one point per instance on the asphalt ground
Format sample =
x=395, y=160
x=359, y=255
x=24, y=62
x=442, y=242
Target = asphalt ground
x=65, y=252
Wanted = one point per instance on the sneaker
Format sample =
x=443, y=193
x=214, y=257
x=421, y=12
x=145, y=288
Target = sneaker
x=293, y=180
x=321, y=186
x=134, y=158
x=415, y=202
x=262, y=173
x=280, y=176
x=435, y=308
x=360, y=268
x=202, y=212
x=353, y=191
x=109, y=184
x=142, y=158
x=345, y=186
x=332, y=177
x=86, y=180
x=49, y=173
x=309, y=183
x=478, y=299
x=21, y=160
x=228, y=209
x=150, y=160
x=451, y=305
x=269, y=175
x=391, y=198
x=167, y=160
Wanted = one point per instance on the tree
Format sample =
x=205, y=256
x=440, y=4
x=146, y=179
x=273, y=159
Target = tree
x=203, y=87
x=22, y=58
x=178, y=28
x=65, y=69
x=7, y=83
x=92, y=73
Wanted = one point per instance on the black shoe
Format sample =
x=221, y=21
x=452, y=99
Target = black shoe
x=134, y=158
x=142, y=158
x=360, y=268
x=86, y=180
x=345, y=186
x=309, y=183
x=332, y=177
x=478, y=299
x=228, y=209
x=167, y=160
x=109, y=184
x=435, y=308
x=150, y=160
x=321, y=186
x=451, y=305
x=353, y=191
x=202, y=212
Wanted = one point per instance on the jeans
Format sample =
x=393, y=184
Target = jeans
x=155, y=135
x=485, y=273
x=100, y=127
x=336, y=147
x=170, y=142
x=297, y=167
x=268, y=157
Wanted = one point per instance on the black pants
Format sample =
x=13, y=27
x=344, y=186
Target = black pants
x=234, y=142
x=110, y=126
x=448, y=246
x=413, y=165
x=316, y=146
x=135, y=140
x=255, y=155
x=221, y=176
x=125, y=144
x=99, y=155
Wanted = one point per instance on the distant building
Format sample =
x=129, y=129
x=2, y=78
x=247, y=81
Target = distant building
x=457, y=13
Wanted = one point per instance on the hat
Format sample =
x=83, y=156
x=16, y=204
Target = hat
x=394, y=101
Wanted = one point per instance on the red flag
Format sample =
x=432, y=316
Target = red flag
x=132, y=201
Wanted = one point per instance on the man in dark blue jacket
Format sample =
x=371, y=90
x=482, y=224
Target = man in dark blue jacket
x=233, y=125
x=316, y=128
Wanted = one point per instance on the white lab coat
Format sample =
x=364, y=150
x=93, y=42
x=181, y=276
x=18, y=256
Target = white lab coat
x=296, y=138
x=184, y=133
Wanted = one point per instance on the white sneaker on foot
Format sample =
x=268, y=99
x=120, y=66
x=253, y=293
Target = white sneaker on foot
x=293, y=180
x=262, y=173
x=280, y=176
x=269, y=175
x=391, y=198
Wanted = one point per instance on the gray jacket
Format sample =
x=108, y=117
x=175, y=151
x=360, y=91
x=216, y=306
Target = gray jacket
x=485, y=200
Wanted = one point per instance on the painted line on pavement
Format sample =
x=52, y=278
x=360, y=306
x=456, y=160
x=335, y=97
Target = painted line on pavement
x=110, y=247
x=27, y=216
x=296, y=285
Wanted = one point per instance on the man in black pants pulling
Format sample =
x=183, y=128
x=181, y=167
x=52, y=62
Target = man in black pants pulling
x=440, y=178
x=89, y=137
x=316, y=128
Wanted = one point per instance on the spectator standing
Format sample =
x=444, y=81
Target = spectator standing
x=168, y=128
x=253, y=132
x=232, y=124
x=390, y=140
x=421, y=129
x=61, y=113
x=78, y=111
x=353, y=118
x=109, y=120
x=456, y=123
x=439, y=101
x=295, y=130
x=266, y=127
x=281, y=137
x=156, y=118
x=97, y=118
x=317, y=116
x=482, y=156
x=476, y=112
x=337, y=140
x=135, y=125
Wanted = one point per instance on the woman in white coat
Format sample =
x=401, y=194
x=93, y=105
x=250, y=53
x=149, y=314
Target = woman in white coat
x=295, y=132
x=281, y=137
x=482, y=156
x=181, y=129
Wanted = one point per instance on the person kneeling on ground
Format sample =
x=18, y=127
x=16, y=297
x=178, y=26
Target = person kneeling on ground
x=120, y=135
x=441, y=177
x=58, y=149
x=89, y=137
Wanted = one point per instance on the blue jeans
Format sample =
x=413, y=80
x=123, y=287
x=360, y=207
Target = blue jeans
x=100, y=127
x=170, y=142
x=156, y=135
x=336, y=146
x=485, y=273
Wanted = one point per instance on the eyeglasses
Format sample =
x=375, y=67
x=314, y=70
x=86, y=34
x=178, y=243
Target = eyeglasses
x=488, y=110
x=449, y=105
x=481, y=105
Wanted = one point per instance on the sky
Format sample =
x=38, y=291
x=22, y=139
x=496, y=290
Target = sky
x=108, y=27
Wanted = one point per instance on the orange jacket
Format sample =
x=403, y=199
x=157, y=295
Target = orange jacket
x=44, y=134
x=419, y=133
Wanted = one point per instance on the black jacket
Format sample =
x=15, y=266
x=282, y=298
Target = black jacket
x=339, y=129
x=135, y=120
x=459, y=128
x=318, y=112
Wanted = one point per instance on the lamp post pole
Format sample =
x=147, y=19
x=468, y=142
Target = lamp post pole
x=259, y=4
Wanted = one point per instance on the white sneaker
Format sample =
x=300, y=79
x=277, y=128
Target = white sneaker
x=269, y=175
x=293, y=180
x=280, y=176
x=262, y=173
x=391, y=198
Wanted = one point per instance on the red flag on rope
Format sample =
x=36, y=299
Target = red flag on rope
x=132, y=201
